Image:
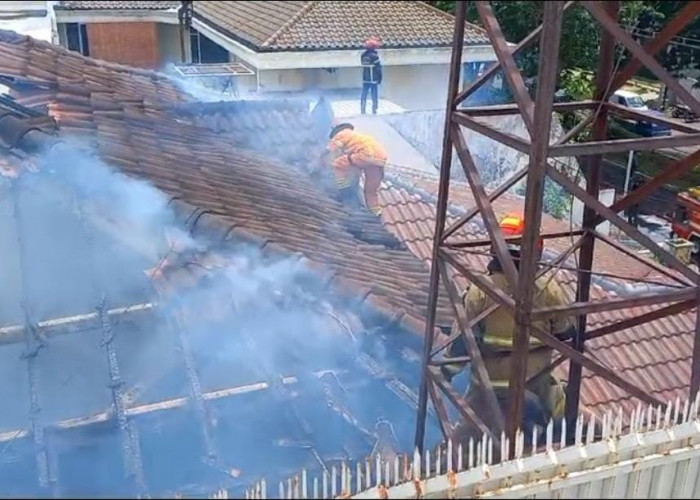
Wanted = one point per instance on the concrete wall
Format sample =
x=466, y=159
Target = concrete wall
x=135, y=44
x=169, y=44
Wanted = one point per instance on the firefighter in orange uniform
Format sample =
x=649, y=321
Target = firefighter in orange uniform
x=354, y=154
x=545, y=395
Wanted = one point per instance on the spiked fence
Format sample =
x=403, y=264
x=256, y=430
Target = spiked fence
x=652, y=452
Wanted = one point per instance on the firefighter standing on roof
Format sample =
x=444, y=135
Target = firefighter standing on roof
x=371, y=74
x=545, y=396
x=354, y=154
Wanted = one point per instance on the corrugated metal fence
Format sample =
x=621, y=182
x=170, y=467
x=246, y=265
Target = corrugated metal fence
x=657, y=456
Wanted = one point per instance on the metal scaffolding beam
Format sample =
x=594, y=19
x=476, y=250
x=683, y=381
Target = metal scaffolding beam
x=683, y=292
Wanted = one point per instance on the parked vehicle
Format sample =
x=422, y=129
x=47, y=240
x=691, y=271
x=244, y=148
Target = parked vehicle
x=639, y=127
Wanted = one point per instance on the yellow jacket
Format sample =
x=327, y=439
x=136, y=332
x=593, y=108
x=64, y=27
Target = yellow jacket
x=350, y=148
x=498, y=329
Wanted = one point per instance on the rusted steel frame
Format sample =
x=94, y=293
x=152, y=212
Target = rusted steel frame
x=511, y=109
x=493, y=68
x=534, y=194
x=515, y=178
x=33, y=344
x=611, y=26
x=680, y=21
x=610, y=215
x=449, y=361
x=606, y=66
x=671, y=172
x=695, y=366
x=483, y=243
x=440, y=410
x=495, y=293
x=509, y=140
x=675, y=26
x=648, y=262
x=550, y=367
x=510, y=69
x=487, y=312
x=587, y=307
x=458, y=402
x=440, y=217
x=598, y=369
x=576, y=130
x=663, y=312
x=477, y=363
x=616, y=109
x=489, y=217
x=624, y=145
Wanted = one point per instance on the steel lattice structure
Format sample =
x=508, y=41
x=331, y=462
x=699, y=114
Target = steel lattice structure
x=537, y=116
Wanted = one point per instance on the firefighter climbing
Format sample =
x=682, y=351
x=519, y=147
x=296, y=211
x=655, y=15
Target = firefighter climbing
x=545, y=395
x=353, y=154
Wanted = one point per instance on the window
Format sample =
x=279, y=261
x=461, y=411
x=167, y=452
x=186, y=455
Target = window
x=206, y=51
x=77, y=39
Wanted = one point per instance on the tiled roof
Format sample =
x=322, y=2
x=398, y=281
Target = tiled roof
x=116, y=5
x=315, y=25
x=249, y=194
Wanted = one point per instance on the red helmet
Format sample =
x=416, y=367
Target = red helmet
x=373, y=43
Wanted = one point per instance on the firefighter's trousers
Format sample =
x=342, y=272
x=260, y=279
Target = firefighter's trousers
x=348, y=177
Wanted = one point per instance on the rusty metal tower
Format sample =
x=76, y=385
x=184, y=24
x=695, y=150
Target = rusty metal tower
x=537, y=117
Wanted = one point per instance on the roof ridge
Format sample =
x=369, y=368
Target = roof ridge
x=292, y=20
x=441, y=12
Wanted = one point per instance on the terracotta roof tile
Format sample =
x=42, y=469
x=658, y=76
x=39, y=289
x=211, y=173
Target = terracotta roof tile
x=314, y=25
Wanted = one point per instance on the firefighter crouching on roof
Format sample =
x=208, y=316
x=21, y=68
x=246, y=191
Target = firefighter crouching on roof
x=545, y=395
x=353, y=154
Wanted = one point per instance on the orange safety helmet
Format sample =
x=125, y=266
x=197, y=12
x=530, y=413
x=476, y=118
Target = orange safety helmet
x=514, y=225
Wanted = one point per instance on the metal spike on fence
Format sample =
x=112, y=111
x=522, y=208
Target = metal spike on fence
x=471, y=462
x=427, y=463
x=304, y=487
x=658, y=418
x=550, y=435
x=387, y=473
x=263, y=488
x=334, y=481
x=686, y=409
x=460, y=457
x=591, y=429
x=503, y=444
x=667, y=416
x=315, y=487
x=696, y=405
x=438, y=461
x=343, y=477
x=534, y=439
x=378, y=474
x=247, y=494
x=397, y=468
x=416, y=465
x=449, y=456
x=368, y=474
x=358, y=469
x=290, y=490
x=619, y=422
x=650, y=417
x=676, y=411
x=640, y=418
x=325, y=483
x=281, y=492
x=562, y=437
x=348, y=487
x=490, y=450
x=633, y=421
x=579, y=430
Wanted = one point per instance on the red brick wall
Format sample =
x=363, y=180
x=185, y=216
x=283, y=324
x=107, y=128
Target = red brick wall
x=135, y=44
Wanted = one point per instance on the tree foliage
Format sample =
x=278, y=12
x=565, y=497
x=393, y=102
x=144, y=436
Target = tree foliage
x=580, y=42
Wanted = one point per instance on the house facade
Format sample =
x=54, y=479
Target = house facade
x=289, y=46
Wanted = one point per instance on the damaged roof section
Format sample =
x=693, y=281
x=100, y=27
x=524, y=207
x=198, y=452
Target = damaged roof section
x=243, y=366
